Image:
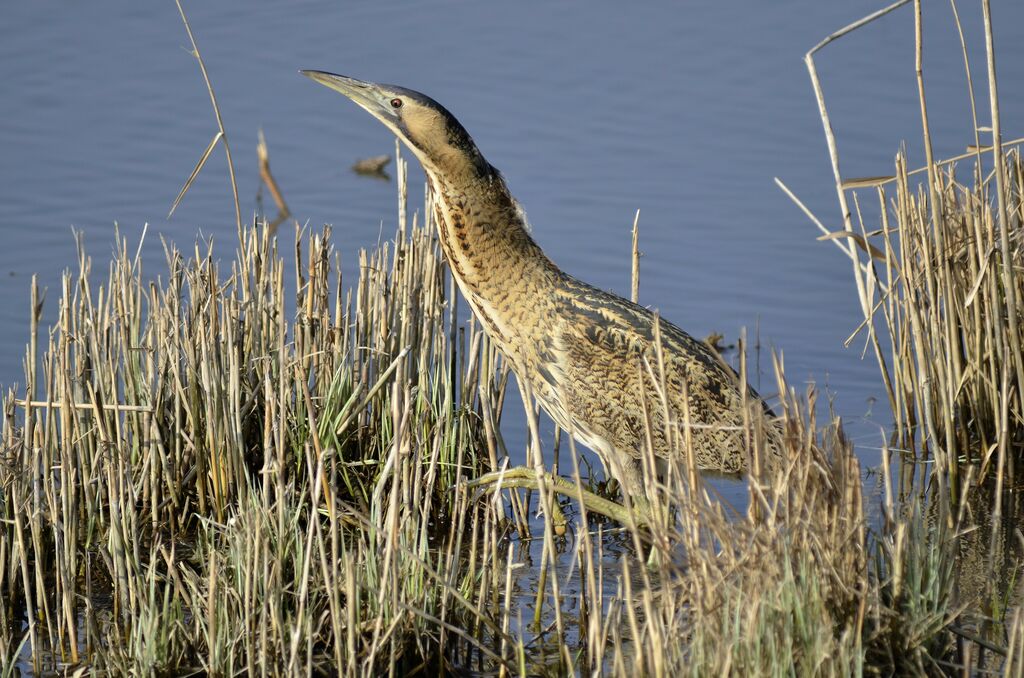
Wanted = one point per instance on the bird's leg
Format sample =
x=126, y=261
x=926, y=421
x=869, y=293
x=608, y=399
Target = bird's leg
x=526, y=478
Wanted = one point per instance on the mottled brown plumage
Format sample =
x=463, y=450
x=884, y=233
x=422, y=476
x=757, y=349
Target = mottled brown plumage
x=588, y=356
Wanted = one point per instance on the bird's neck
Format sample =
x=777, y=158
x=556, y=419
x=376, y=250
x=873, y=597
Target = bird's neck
x=496, y=263
x=483, y=231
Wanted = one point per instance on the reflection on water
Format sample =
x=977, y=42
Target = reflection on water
x=982, y=550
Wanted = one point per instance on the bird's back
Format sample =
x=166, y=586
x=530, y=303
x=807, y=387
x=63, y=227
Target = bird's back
x=604, y=379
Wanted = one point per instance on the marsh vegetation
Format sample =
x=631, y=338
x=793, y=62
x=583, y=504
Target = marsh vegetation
x=218, y=468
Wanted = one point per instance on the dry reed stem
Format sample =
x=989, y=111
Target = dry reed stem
x=221, y=135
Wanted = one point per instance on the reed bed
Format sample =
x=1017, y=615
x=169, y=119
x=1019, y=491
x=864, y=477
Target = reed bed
x=212, y=474
x=936, y=268
x=194, y=481
x=947, y=310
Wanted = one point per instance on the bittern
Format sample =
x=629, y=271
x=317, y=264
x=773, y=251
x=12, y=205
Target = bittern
x=589, y=357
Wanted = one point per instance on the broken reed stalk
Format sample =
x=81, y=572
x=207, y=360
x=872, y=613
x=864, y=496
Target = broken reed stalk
x=220, y=136
x=263, y=161
x=634, y=287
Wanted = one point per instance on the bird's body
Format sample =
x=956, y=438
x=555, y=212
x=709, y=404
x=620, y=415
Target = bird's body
x=589, y=357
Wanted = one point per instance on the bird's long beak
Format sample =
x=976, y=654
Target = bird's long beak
x=367, y=94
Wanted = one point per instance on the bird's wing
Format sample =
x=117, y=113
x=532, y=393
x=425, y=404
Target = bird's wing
x=622, y=327
x=614, y=375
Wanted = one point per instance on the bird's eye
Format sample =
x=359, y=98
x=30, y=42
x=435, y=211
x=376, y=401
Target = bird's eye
x=396, y=103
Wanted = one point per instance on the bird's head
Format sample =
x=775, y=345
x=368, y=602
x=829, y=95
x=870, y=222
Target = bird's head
x=438, y=140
